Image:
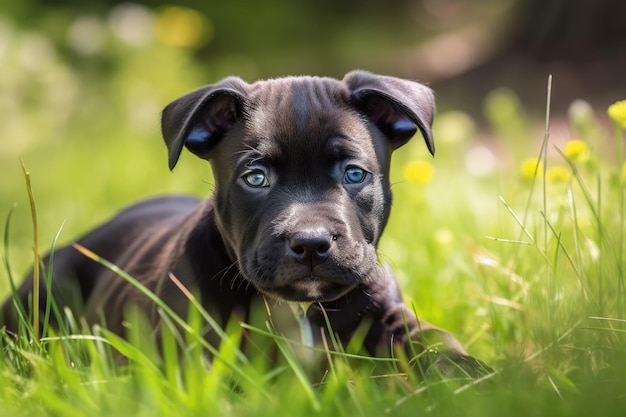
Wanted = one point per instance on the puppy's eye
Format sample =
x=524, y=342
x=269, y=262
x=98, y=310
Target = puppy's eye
x=354, y=175
x=256, y=179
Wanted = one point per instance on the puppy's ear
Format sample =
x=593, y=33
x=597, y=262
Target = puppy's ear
x=398, y=107
x=199, y=119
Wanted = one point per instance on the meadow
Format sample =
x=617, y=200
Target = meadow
x=511, y=238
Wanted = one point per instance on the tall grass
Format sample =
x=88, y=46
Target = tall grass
x=534, y=284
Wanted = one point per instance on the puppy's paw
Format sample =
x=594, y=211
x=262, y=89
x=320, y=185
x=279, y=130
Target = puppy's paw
x=450, y=364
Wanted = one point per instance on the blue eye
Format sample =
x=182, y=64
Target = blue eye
x=354, y=175
x=256, y=179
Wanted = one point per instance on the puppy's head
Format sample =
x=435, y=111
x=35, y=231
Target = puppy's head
x=301, y=168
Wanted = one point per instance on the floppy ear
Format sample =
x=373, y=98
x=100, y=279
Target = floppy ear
x=398, y=107
x=199, y=119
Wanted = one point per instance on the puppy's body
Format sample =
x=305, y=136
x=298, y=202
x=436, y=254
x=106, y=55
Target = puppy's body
x=302, y=196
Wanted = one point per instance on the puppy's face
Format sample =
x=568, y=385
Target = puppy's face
x=302, y=192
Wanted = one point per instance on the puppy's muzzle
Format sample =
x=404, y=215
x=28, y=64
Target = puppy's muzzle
x=309, y=261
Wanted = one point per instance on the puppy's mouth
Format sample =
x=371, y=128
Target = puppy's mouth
x=310, y=289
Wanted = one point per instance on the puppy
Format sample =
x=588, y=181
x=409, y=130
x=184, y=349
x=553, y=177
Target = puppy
x=302, y=195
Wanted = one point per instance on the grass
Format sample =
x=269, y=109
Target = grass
x=527, y=270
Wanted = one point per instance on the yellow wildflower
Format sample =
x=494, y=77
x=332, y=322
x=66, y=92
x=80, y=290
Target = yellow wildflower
x=617, y=113
x=444, y=237
x=531, y=168
x=557, y=174
x=575, y=149
x=419, y=172
x=454, y=127
x=182, y=26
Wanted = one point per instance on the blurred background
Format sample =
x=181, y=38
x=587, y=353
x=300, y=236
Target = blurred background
x=464, y=48
x=82, y=85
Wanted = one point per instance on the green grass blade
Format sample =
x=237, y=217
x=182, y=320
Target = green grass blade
x=175, y=317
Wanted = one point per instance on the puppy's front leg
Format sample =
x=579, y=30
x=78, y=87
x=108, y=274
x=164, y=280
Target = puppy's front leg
x=437, y=351
x=393, y=325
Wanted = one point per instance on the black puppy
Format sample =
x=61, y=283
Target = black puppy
x=301, y=198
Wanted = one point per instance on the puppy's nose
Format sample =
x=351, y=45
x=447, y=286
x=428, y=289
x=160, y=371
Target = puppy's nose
x=310, y=247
